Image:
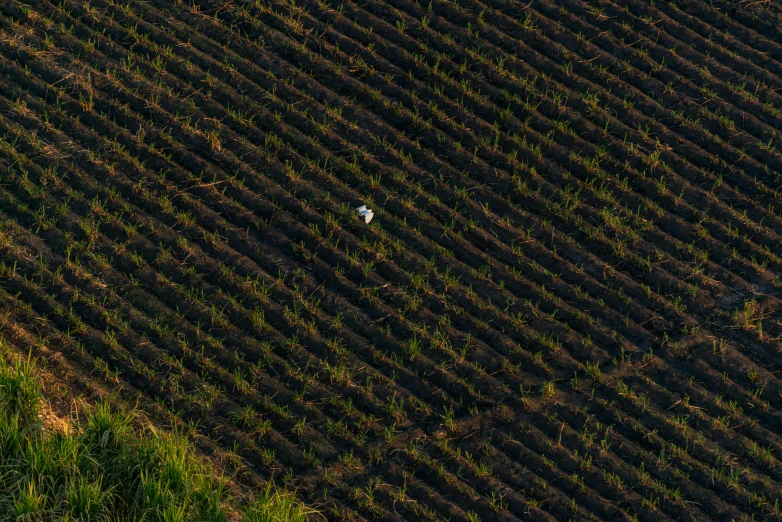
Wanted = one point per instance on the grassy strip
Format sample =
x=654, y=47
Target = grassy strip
x=107, y=469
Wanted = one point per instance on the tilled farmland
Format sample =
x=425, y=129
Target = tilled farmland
x=566, y=306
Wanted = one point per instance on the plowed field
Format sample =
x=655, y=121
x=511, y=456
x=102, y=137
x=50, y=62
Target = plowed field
x=567, y=305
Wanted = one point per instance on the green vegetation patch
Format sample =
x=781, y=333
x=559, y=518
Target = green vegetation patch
x=109, y=469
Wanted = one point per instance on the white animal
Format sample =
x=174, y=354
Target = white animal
x=366, y=213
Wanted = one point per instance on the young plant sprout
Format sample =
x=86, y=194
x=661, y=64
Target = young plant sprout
x=366, y=213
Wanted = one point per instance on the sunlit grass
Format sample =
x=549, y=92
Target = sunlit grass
x=107, y=468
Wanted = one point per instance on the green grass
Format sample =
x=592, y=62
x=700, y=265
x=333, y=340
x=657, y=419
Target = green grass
x=108, y=469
